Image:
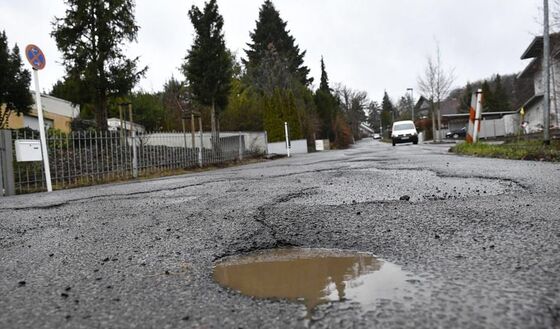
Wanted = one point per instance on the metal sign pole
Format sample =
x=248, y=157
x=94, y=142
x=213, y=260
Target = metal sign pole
x=42, y=131
x=287, y=139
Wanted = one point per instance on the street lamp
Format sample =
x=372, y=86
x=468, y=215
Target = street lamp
x=412, y=98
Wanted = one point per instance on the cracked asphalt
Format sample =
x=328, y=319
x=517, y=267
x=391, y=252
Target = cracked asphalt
x=481, y=235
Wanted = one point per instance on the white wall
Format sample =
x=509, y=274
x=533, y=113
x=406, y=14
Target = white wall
x=298, y=147
x=254, y=141
x=535, y=116
x=59, y=106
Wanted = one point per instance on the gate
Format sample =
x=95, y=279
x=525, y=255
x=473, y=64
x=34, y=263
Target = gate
x=7, y=183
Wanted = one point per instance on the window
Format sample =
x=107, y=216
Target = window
x=33, y=122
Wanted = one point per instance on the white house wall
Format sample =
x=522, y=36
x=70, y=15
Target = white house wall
x=59, y=106
x=254, y=141
x=534, y=116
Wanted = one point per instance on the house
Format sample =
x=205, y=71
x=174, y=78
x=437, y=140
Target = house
x=366, y=130
x=57, y=113
x=534, y=106
x=493, y=124
x=447, y=107
x=422, y=108
x=114, y=124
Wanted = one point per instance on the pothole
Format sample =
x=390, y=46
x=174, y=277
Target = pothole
x=362, y=185
x=316, y=276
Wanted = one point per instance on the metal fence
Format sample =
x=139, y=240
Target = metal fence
x=87, y=158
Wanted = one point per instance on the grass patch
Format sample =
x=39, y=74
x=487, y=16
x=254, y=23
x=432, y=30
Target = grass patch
x=522, y=150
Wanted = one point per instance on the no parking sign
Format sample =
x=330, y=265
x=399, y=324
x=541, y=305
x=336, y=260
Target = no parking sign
x=35, y=57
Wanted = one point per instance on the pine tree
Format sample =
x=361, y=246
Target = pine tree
x=271, y=31
x=209, y=66
x=466, y=98
x=488, y=103
x=324, y=85
x=14, y=83
x=326, y=106
x=387, y=111
x=374, y=115
x=501, y=99
x=90, y=38
x=280, y=107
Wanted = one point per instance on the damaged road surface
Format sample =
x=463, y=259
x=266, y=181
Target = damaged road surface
x=478, y=241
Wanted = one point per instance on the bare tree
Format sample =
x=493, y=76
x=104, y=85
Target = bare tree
x=435, y=85
x=353, y=104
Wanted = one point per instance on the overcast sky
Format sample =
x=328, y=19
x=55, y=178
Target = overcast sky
x=371, y=45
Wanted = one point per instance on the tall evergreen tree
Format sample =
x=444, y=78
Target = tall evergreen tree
x=466, y=98
x=501, y=98
x=270, y=31
x=387, y=111
x=374, y=115
x=324, y=85
x=280, y=107
x=209, y=65
x=326, y=105
x=488, y=102
x=14, y=83
x=90, y=38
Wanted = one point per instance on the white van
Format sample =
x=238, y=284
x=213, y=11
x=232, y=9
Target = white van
x=404, y=132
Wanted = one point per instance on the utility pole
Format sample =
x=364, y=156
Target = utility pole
x=546, y=68
x=412, y=99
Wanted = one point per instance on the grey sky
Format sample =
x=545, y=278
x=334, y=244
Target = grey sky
x=371, y=45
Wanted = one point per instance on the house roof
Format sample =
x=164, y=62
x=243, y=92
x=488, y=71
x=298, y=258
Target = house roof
x=535, y=49
x=532, y=101
x=422, y=103
x=484, y=114
x=449, y=106
x=531, y=69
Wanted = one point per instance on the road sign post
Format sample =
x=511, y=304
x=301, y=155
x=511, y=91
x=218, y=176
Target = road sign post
x=287, y=139
x=478, y=116
x=37, y=60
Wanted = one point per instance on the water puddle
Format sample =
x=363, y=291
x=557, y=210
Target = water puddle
x=315, y=276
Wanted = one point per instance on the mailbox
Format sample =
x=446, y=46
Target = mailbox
x=28, y=150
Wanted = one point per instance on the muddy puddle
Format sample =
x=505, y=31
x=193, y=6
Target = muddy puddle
x=315, y=276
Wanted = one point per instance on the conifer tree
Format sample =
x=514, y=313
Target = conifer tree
x=374, y=115
x=501, y=99
x=271, y=31
x=14, y=83
x=387, y=111
x=91, y=39
x=209, y=66
x=280, y=107
x=488, y=103
x=466, y=98
x=326, y=105
x=324, y=85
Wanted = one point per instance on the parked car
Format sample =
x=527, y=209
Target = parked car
x=456, y=134
x=404, y=132
x=376, y=136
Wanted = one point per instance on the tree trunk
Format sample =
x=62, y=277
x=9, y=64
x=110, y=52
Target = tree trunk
x=214, y=129
x=434, y=132
x=101, y=113
x=439, y=122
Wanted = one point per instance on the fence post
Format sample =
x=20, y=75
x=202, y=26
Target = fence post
x=7, y=182
x=134, y=155
x=133, y=138
x=240, y=147
x=200, y=159
x=265, y=142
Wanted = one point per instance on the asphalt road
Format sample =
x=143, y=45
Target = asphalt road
x=481, y=235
